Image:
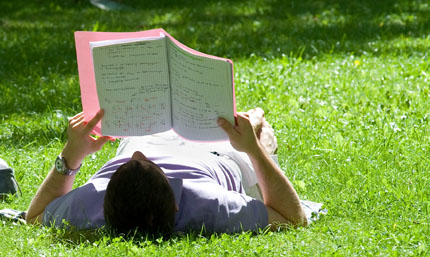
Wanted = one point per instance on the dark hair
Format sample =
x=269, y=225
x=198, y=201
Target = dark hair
x=139, y=198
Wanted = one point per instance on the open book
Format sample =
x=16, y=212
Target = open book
x=147, y=82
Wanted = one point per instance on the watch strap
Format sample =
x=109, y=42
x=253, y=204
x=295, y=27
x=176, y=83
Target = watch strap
x=62, y=168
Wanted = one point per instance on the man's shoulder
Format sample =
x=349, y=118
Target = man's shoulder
x=218, y=209
x=83, y=206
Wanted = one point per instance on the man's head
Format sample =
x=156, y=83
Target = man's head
x=139, y=197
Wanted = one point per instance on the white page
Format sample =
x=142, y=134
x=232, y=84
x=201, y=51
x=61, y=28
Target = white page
x=201, y=91
x=133, y=86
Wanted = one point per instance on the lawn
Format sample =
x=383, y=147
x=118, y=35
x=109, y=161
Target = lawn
x=346, y=85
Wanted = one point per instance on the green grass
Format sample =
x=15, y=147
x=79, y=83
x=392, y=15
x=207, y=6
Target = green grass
x=346, y=85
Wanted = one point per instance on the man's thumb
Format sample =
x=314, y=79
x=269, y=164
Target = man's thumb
x=225, y=125
x=99, y=142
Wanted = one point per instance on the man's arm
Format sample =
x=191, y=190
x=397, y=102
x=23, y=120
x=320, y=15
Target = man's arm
x=79, y=145
x=282, y=202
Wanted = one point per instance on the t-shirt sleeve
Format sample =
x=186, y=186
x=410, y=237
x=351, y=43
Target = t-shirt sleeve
x=81, y=208
x=219, y=210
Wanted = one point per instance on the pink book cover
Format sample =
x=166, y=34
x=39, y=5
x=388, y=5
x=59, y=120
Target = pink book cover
x=90, y=102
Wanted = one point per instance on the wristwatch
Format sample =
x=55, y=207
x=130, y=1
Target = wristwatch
x=61, y=167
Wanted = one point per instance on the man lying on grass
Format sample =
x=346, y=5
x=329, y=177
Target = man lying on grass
x=161, y=184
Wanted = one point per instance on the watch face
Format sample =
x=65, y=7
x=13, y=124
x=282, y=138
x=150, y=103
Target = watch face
x=59, y=165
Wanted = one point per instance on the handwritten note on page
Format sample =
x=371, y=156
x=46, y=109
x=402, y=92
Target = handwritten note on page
x=201, y=91
x=133, y=86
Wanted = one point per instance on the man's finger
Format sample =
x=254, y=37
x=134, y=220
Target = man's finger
x=242, y=119
x=258, y=112
x=245, y=114
x=78, y=123
x=226, y=126
x=99, y=142
x=93, y=122
x=76, y=118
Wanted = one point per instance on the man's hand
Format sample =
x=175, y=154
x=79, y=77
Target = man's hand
x=280, y=198
x=256, y=118
x=242, y=136
x=80, y=143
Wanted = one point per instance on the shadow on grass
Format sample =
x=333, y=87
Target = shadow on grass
x=38, y=39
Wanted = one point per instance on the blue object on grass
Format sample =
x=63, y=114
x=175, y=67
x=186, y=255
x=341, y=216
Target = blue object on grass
x=8, y=184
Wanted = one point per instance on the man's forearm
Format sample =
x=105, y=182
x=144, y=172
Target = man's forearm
x=54, y=186
x=278, y=193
